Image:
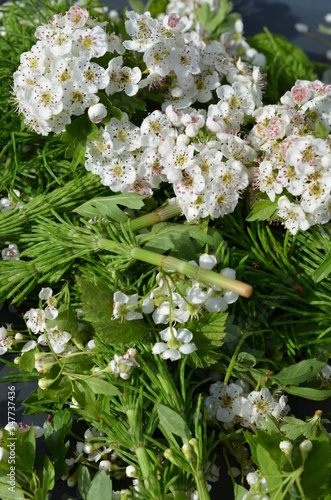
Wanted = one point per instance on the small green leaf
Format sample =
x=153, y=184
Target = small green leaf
x=27, y=361
x=56, y=439
x=316, y=477
x=173, y=423
x=76, y=135
x=321, y=131
x=8, y=492
x=323, y=269
x=47, y=477
x=83, y=481
x=108, y=206
x=269, y=469
x=246, y=359
x=82, y=393
x=239, y=492
x=100, y=386
x=262, y=210
x=156, y=7
x=137, y=5
x=309, y=393
x=101, y=487
x=298, y=373
x=66, y=321
x=113, y=110
x=98, y=308
x=185, y=239
x=208, y=332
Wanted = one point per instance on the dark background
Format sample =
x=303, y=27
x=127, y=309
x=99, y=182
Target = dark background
x=279, y=17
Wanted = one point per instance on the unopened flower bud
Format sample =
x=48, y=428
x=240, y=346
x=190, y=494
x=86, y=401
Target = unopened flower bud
x=105, y=465
x=305, y=448
x=131, y=471
x=97, y=112
x=45, y=383
x=19, y=336
x=72, y=481
x=286, y=447
x=17, y=360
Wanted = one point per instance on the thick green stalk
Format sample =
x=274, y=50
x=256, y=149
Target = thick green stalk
x=200, y=480
x=181, y=266
x=199, y=273
x=159, y=215
x=147, y=471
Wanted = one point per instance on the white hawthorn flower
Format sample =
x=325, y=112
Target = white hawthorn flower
x=125, y=307
x=174, y=343
x=10, y=253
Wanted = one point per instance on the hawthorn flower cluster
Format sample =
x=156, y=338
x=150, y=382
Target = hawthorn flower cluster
x=293, y=137
x=207, y=175
x=122, y=366
x=234, y=404
x=38, y=322
x=197, y=151
x=57, y=78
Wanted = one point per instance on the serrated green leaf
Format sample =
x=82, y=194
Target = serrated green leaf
x=208, y=335
x=298, y=373
x=108, y=206
x=66, y=321
x=316, y=477
x=97, y=305
x=262, y=210
x=76, y=135
x=56, y=439
x=128, y=104
x=269, y=470
x=100, y=386
x=117, y=332
x=185, y=239
x=101, y=487
x=309, y=393
x=173, y=423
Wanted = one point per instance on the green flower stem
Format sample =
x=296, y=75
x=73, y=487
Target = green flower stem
x=181, y=266
x=200, y=480
x=199, y=273
x=159, y=215
x=234, y=357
